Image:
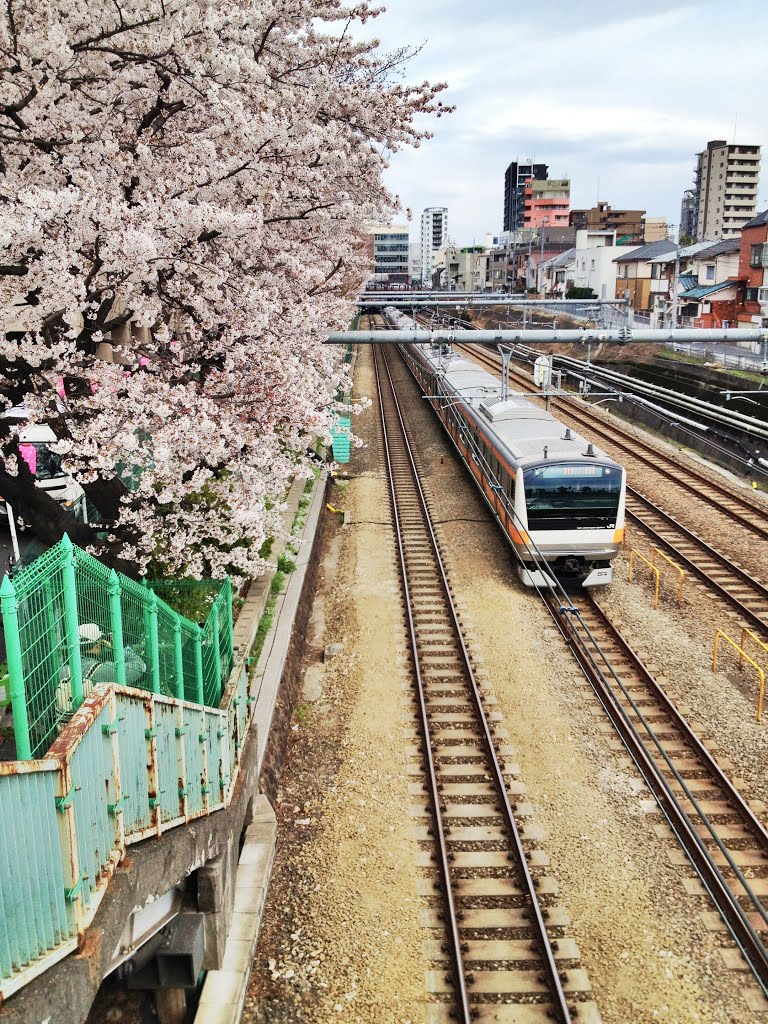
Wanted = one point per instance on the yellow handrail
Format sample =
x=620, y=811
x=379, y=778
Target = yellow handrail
x=654, y=569
x=742, y=657
x=674, y=566
x=748, y=633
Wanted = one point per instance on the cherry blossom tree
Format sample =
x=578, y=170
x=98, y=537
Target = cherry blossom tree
x=182, y=189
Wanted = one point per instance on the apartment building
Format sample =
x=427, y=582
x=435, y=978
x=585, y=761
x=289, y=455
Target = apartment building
x=547, y=203
x=725, y=188
x=629, y=225
x=434, y=237
x=388, y=249
x=515, y=178
x=656, y=229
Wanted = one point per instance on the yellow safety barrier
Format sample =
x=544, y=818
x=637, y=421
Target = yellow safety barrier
x=674, y=566
x=742, y=657
x=748, y=633
x=654, y=569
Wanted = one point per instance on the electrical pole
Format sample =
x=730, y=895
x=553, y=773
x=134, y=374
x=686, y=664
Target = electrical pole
x=675, y=276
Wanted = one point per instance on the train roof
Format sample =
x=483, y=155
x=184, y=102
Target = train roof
x=522, y=427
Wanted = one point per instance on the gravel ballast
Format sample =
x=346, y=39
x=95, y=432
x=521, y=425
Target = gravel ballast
x=342, y=937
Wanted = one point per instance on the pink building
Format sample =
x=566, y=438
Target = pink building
x=547, y=203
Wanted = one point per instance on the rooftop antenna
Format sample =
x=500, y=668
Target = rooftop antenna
x=735, y=123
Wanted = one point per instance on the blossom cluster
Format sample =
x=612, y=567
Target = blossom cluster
x=183, y=185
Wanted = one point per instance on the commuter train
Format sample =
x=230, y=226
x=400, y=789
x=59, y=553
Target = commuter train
x=557, y=497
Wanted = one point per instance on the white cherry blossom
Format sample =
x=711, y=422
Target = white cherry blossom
x=198, y=170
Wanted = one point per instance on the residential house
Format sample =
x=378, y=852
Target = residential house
x=753, y=268
x=511, y=264
x=663, y=279
x=715, y=299
x=633, y=273
x=555, y=275
x=463, y=269
x=594, y=267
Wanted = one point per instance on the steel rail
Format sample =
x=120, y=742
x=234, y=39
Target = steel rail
x=722, y=560
x=572, y=626
x=551, y=970
x=445, y=870
x=574, y=629
x=706, y=759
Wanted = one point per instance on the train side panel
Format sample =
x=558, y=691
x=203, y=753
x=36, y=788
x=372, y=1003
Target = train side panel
x=566, y=551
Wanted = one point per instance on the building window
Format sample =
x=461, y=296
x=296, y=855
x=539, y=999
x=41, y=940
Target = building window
x=756, y=256
x=710, y=273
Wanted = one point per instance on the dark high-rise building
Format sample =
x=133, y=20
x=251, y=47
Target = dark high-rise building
x=514, y=191
x=689, y=214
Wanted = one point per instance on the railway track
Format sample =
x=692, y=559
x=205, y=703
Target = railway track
x=719, y=834
x=740, y=591
x=499, y=952
x=697, y=483
x=747, y=596
x=721, y=837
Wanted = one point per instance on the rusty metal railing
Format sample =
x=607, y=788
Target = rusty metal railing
x=743, y=656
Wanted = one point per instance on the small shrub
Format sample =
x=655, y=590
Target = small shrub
x=285, y=563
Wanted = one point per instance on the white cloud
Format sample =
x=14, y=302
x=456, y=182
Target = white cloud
x=592, y=89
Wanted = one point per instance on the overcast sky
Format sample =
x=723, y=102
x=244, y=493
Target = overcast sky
x=618, y=98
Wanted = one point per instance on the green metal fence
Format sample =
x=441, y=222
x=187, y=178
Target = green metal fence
x=72, y=623
x=341, y=428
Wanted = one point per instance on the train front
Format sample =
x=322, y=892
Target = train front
x=573, y=510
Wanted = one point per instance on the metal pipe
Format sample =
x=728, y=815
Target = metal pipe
x=474, y=299
x=611, y=336
x=406, y=297
x=730, y=417
x=15, y=671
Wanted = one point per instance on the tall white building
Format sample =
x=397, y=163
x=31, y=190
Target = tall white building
x=725, y=189
x=434, y=236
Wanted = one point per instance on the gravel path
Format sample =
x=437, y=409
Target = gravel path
x=342, y=939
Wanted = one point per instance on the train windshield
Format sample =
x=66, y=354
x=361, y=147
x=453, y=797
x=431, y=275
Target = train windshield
x=578, y=496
